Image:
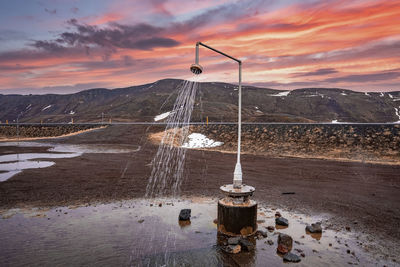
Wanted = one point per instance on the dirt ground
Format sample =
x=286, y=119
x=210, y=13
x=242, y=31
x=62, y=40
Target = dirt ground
x=362, y=196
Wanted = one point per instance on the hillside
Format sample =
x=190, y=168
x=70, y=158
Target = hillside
x=218, y=101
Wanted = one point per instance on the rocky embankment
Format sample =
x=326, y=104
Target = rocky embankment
x=365, y=143
x=40, y=131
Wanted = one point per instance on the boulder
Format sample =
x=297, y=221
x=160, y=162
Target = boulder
x=185, y=214
x=270, y=228
x=261, y=234
x=282, y=249
x=246, y=245
x=285, y=243
x=314, y=228
x=290, y=257
x=282, y=221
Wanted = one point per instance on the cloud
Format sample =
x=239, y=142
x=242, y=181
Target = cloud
x=48, y=46
x=356, y=78
x=148, y=44
x=140, y=36
x=319, y=72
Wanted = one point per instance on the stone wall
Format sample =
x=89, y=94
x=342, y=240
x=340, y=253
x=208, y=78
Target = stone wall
x=340, y=141
x=32, y=131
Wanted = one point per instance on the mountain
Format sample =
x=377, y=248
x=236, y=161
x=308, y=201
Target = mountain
x=218, y=101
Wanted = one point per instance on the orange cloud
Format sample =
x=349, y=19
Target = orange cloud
x=357, y=38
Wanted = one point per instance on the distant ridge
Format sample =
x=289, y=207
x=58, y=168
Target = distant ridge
x=218, y=101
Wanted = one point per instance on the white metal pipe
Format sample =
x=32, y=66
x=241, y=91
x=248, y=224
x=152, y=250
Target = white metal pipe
x=237, y=174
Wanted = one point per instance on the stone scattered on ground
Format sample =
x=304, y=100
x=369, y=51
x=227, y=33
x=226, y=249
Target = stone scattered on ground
x=282, y=221
x=270, y=242
x=290, y=257
x=185, y=214
x=278, y=214
x=246, y=245
x=233, y=249
x=314, y=228
x=261, y=234
x=270, y=228
x=140, y=221
x=285, y=243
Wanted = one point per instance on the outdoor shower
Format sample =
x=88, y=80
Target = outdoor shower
x=237, y=213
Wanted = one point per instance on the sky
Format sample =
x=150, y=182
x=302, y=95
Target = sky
x=64, y=46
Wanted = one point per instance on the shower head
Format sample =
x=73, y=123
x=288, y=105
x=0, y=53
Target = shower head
x=196, y=69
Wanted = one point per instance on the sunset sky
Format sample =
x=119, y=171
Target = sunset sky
x=64, y=46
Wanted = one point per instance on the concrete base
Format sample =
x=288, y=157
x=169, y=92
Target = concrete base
x=237, y=217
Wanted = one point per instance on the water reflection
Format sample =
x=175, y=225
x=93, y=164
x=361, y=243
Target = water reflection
x=316, y=236
x=136, y=233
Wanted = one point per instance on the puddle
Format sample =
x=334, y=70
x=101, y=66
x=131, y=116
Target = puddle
x=13, y=164
x=29, y=156
x=145, y=233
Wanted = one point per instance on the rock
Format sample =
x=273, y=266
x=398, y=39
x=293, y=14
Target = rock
x=302, y=254
x=282, y=249
x=290, y=257
x=215, y=221
x=270, y=242
x=233, y=240
x=348, y=228
x=233, y=249
x=270, y=228
x=261, y=234
x=281, y=221
x=140, y=221
x=185, y=214
x=278, y=214
x=160, y=205
x=246, y=245
x=314, y=228
x=285, y=243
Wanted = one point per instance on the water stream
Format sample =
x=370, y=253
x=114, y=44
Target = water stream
x=168, y=164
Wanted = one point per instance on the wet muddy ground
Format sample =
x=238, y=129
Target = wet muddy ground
x=362, y=197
